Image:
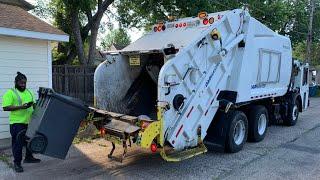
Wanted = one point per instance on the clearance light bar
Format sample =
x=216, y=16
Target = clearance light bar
x=160, y=27
x=204, y=19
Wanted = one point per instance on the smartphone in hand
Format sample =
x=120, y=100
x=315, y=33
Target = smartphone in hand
x=30, y=104
x=27, y=105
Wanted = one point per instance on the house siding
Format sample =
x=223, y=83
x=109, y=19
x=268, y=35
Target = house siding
x=29, y=56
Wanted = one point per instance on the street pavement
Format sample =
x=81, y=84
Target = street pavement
x=285, y=153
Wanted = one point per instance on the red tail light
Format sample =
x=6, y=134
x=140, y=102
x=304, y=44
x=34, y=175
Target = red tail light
x=205, y=21
x=159, y=28
x=153, y=147
x=102, y=132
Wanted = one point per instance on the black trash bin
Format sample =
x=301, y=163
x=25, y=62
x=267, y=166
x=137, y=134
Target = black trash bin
x=54, y=123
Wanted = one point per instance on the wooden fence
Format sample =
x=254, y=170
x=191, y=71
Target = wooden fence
x=74, y=81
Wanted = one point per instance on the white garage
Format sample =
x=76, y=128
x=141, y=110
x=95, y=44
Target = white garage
x=25, y=46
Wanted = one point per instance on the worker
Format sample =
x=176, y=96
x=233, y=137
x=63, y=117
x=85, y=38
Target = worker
x=19, y=101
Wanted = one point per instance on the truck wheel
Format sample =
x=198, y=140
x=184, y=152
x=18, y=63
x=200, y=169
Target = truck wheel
x=258, y=123
x=237, y=132
x=293, y=112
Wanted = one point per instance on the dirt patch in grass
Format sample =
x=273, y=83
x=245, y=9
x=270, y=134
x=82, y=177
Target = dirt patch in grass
x=86, y=134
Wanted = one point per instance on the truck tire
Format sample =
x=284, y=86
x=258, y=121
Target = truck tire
x=237, y=132
x=293, y=111
x=258, y=123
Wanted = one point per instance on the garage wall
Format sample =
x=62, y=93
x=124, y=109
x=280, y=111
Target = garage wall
x=28, y=56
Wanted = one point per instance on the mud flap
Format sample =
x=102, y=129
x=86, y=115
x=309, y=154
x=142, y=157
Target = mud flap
x=217, y=133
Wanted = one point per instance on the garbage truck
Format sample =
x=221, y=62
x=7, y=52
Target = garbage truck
x=212, y=81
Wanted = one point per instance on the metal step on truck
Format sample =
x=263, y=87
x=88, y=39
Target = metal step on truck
x=216, y=80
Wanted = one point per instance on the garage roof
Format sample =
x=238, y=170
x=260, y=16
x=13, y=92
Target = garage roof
x=16, y=21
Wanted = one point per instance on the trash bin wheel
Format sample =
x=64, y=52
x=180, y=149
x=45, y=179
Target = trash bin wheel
x=38, y=143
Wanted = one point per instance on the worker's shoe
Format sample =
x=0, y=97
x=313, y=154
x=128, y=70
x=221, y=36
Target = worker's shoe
x=31, y=160
x=18, y=168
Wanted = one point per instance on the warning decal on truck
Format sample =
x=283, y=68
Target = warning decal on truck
x=134, y=60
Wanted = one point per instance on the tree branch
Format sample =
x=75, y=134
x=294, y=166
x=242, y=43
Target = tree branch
x=92, y=26
x=106, y=4
x=89, y=15
x=99, y=4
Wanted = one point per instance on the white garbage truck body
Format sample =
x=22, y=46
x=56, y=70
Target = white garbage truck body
x=223, y=76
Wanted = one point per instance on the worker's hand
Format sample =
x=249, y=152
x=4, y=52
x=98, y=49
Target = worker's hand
x=26, y=105
x=16, y=108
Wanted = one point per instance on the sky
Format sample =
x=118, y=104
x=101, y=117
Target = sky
x=133, y=33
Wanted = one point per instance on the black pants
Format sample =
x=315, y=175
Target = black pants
x=18, y=142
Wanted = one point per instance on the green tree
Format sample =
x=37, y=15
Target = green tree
x=300, y=52
x=118, y=37
x=288, y=17
x=43, y=10
x=81, y=19
x=143, y=13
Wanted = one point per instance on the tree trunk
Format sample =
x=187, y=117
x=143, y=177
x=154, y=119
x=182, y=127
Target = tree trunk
x=71, y=55
x=81, y=34
x=77, y=35
x=93, y=39
x=93, y=25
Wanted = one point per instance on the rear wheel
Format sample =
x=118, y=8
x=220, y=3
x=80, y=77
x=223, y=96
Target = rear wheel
x=293, y=112
x=258, y=123
x=237, y=132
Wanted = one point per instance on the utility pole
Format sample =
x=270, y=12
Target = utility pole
x=310, y=31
